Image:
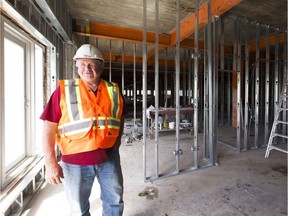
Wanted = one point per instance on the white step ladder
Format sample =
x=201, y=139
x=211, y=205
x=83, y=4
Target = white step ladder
x=281, y=108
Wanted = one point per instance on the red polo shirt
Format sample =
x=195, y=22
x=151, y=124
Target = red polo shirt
x=52, y=113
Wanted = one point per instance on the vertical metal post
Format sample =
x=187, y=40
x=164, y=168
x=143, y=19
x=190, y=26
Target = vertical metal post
x=211, y=87
x=200, y=93
x=222, y=65
x=123, y=72
x=266, y=135
x=144, y=86
x=177, y=69
x=285, y=81
x=262, y=97
x=246, y=102
x=239, y=103
x=206, y=97
x=276, y=71
x=135, y=88
x=215, y=85
x=256, y=127
x=156, y=87
x=195, y=101
x=189, y=77
x=184, y=83
x=229, y=90
x=166, y=79
x=235, y=48
x=110, y=61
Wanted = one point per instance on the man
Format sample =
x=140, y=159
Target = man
x=84, y=117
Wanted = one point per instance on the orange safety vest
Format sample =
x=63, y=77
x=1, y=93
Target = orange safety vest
x=88, y=121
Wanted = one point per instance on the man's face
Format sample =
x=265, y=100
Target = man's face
x=89, y=70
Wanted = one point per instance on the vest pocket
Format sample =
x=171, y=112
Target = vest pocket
x=81, y=129
x=108, y=133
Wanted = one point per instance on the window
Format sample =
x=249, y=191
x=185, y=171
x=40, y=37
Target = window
x=14, y=96
x=21, y=102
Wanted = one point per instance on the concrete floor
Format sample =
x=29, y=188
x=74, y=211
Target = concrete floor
x=242, y=184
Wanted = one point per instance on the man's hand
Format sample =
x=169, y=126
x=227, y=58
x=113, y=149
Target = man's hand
x=54, y=173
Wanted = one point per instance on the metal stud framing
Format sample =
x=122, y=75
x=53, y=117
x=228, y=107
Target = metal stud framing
x=238, y=69
x=134, y=88
x=229, y=89
x=222, y=65
x=277, y=76
x=285, y=80
x=177, y=86
x=123, y=71
x=267, y=82
x=215, y=98
x=206, y=96
x=246, y=100
x=156, y=88
x=144, y=87
x=166, y=80
x=189, y=76
x=196, y=90
x=216, y=26
x=210, y=89
x=256, y=108
x=194, y=147
x=276, y=69
x=110, y=60
x=257, y=84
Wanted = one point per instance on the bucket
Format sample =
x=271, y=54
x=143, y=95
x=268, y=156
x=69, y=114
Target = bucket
x=171, y=125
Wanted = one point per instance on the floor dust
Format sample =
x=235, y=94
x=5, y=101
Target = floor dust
x=242, y=184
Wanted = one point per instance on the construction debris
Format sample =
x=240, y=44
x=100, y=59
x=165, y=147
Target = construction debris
x=149, y=192
x=133, y=136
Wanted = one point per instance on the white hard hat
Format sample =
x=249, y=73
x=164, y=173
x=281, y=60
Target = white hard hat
x=88, y=51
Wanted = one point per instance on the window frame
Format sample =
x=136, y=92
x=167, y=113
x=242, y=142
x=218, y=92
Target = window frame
x=13, y=33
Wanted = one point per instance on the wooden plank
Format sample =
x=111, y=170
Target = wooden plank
x=262, y=45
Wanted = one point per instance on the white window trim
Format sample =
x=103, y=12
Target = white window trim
x=10, y=194
x=30, y=100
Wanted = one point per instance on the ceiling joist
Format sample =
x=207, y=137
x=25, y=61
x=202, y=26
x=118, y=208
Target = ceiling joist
x=262, y=42
x=120, y=33
x=218, y=7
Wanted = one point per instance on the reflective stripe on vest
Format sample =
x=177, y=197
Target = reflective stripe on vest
x=80, y=126
x=114, y=96
x=73, y=99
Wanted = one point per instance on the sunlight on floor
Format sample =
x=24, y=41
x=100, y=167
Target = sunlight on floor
x=51, y=200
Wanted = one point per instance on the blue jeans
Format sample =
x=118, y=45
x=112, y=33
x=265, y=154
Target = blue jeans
x=78, y=181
